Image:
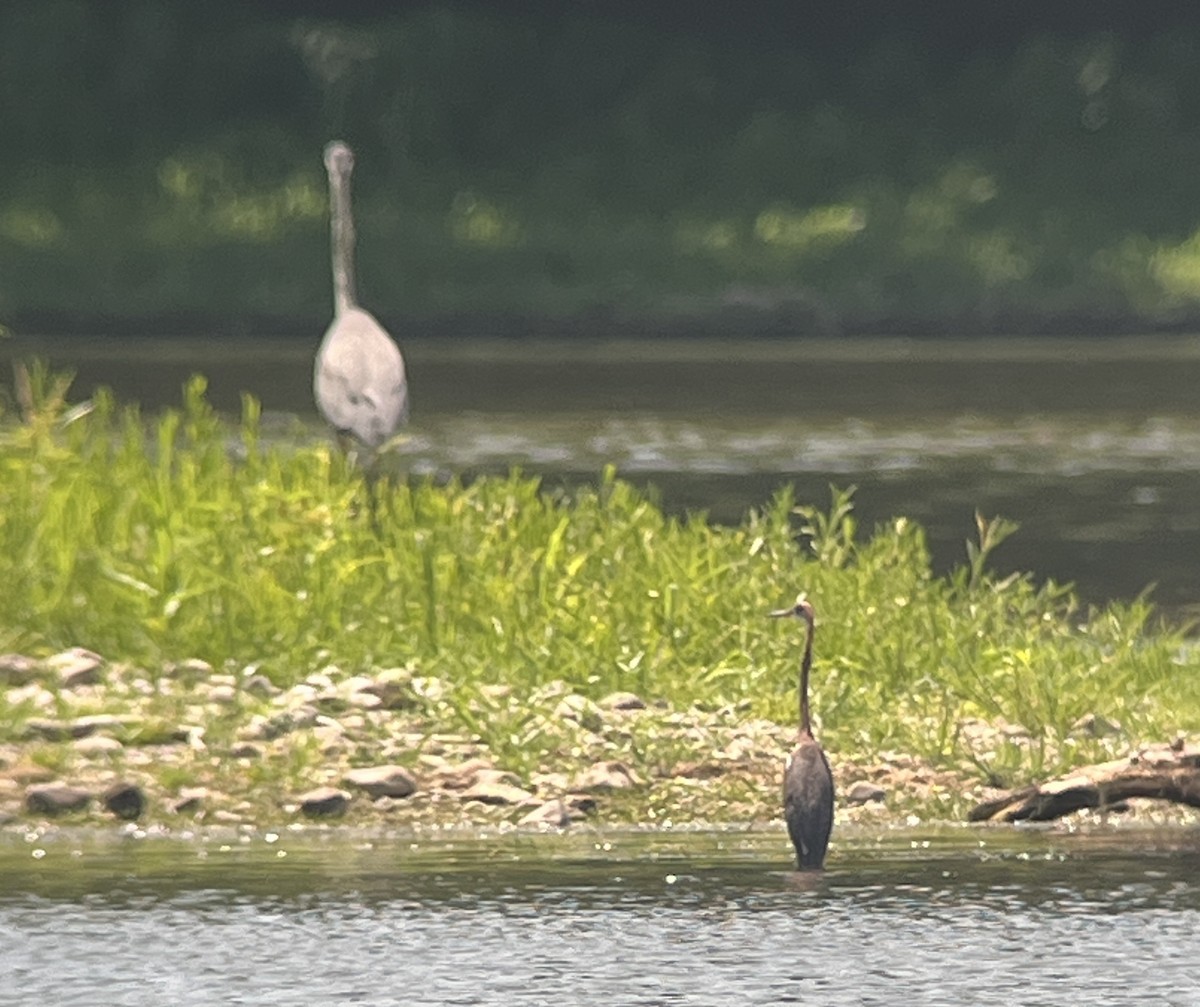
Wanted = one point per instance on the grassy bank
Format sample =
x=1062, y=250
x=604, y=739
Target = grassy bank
x=246, y=599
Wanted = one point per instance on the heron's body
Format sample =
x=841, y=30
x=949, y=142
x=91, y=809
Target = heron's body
x=807, y=778
x=808, y=802
x=358, y=379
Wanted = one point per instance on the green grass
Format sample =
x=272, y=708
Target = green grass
x=155, y=541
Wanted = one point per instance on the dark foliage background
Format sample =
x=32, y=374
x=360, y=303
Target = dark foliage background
x=670, y=167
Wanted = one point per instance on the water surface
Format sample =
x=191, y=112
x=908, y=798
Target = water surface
x=960, y=916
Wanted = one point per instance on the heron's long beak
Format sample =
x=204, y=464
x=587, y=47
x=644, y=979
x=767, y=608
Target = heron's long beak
x=779, y=613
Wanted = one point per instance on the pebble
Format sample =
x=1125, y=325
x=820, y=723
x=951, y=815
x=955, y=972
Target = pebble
x=865, y=792
x=17, y=669
x=76, y=667
x=382, y=781
x=98, y=744
x=192, y=668
x=1093, y=725
x=581, y=710
x=323, y=802
x=260, y=685
x=553, y=812
x=462, y=776
x=189, y=799
x=55, y=798
x=394, y=689
x=606, y=776
x=488, y=792
x=224, y=695
x=622, y=701
x=125, y=800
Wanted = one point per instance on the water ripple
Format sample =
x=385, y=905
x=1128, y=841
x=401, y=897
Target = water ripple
x=1062, y=446
x=700, y=919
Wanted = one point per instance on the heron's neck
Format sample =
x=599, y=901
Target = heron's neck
x=805, y=668
x=342, y=239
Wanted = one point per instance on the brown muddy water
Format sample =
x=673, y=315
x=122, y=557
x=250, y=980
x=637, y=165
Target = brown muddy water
x=1093, y=446
x=941, y=917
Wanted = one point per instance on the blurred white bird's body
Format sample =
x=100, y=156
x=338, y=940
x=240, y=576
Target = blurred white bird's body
x=358, y=379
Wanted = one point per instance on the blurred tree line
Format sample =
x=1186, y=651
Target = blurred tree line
x=706, y=167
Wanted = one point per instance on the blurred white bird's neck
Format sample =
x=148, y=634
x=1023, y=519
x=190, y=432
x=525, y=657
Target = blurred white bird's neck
x=342, y=238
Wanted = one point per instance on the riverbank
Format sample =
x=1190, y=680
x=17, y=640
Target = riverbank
x=205, y=624
x=388, y=748
x=380, y=751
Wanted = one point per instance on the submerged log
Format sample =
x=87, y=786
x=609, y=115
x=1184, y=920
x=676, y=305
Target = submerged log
x=1166, y=772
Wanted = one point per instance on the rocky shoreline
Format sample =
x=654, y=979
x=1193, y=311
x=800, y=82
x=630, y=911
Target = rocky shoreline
x=187, y=745
x=384, y=746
